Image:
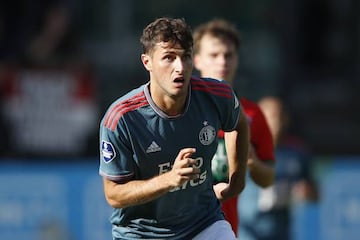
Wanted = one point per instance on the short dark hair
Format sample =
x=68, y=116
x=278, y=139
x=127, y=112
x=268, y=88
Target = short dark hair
x=166, y=29
x=218, y=28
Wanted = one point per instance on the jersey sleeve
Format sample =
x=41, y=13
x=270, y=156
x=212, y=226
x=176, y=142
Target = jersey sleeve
x=231, y=111
x=222, y=98
x=116, y=156
x=261, y=137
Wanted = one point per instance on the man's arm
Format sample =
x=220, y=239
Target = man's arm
x=237, y=145
x=261, y=173
x=261, y=162
x=135, y=192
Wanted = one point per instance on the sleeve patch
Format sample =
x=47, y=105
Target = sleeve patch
x=107, y=151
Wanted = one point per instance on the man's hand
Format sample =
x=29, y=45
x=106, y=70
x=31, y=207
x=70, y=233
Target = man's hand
x=184, y=168
x=220, y=190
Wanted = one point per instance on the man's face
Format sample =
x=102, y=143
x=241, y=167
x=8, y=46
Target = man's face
x=170, y=69
x=216, y=58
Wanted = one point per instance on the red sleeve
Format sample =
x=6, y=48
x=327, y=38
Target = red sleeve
x=260, y=135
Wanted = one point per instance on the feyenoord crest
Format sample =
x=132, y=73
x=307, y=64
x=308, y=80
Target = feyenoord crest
x=207, y=134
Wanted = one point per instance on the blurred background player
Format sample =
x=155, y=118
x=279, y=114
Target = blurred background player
x=216, y=45
x=293, y=180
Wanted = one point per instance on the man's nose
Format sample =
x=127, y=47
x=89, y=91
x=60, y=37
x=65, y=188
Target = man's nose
x=222, y=59
x=179, y=64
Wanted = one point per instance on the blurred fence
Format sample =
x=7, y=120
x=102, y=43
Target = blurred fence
x=337, y=216
x=40, y=201
x=65, y=200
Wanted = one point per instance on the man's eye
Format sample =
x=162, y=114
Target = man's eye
x=229, y=55
x=169, y=58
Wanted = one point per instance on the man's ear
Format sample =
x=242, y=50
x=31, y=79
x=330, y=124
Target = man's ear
x=146, y=60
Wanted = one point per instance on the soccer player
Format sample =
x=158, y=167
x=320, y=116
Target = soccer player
x=158, y=140
x=216, y=45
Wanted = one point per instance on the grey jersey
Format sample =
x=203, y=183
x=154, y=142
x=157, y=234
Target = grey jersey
x=139, y=141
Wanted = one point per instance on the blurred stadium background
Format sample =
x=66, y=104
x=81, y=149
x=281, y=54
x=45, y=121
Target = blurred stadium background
x=63, y=62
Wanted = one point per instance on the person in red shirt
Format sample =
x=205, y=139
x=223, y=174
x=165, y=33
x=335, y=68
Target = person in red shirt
x=216, y=45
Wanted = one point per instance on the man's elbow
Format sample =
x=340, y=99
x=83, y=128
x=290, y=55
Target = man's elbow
x=112, y=194
x=115, y=203
x=267, y=184
x=238, y=181
x=264, y=182
x=240, y=188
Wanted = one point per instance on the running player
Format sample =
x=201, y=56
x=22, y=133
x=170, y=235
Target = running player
x=216, y=45
x=157, y=142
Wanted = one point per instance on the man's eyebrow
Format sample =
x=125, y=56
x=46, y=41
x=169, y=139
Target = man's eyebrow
x=175, y=51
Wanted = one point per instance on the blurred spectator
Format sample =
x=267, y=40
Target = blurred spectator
x=21, y=20
x=48, y=93
x=54, y=41
x=293, y=181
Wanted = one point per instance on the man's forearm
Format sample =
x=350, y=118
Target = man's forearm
x=261, y=173
x=237, y=145
x=135, y=192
